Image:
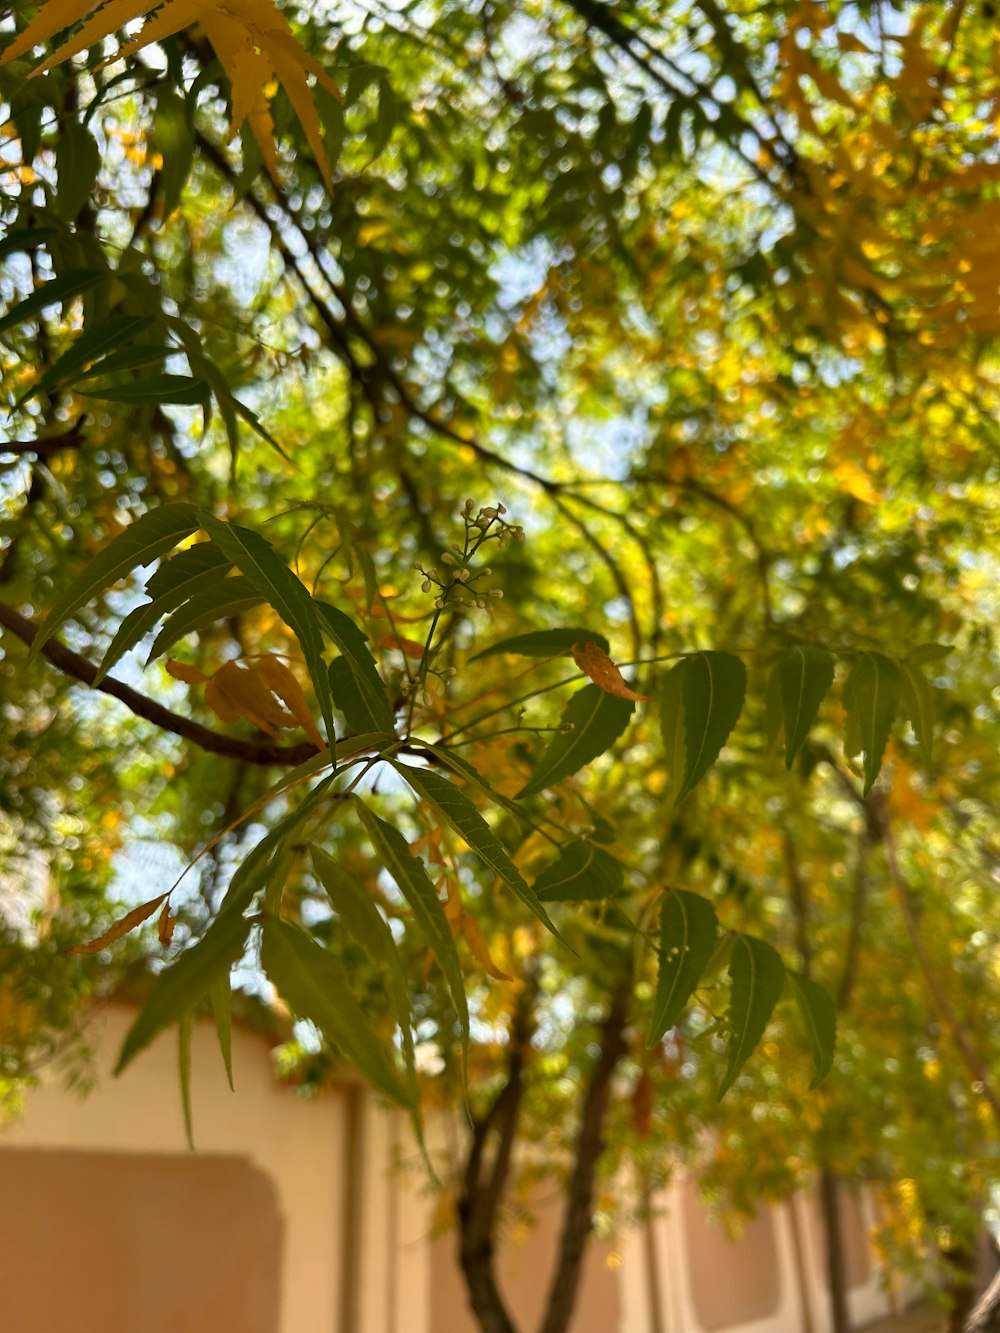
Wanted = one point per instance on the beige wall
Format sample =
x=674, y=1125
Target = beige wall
x=299, y=1210
x=137, y=1241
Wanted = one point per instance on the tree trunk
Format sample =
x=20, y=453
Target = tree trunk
x=985, y=1316
x=836, y=1268
x=961, y=1285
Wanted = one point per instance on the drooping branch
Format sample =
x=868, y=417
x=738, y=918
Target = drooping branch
x=578, y=1219
x=77, y=666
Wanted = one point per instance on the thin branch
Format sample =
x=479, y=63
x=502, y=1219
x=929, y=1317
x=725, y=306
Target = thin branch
x=45, y=447
x=73, y=664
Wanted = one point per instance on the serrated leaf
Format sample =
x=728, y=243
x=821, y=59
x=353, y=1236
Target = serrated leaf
x=92, y=344
x=713, y=688
x=183, y=985
x=78, y=160
x=173, y=584
x=256, y=559
x=362, y=698
x=454, y=807
x=184, y=1070
x=757, y=975
x=871, y=695
x=917, y=698
x=688, y=931
x=819, y=1017
x=221, y=997
x=142, y=541
x=805, y=674
x=160, y=388
x=544, y=643
x=580, y=873
x=227, y=598
x=55, y=292
x=315, y=984
x=413, y=883
x=597, y=720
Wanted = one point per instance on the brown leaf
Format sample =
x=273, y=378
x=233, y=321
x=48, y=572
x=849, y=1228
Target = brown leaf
x=165, y=925
x=245, y=694
x=190, y=675
x=120, y=928
x=281, y=680
x=410, y=647
x=479, y=949
x=594, y=662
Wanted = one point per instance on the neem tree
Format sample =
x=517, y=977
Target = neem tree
x=709, y=296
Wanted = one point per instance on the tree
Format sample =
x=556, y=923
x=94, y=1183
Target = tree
x=708, y=298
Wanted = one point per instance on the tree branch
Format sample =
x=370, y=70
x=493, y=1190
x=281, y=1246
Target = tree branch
x=72, y=664
x=578, y=1219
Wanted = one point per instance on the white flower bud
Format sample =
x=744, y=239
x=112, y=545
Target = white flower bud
x=496, y=592
x=501, y=509
x=425, y=586
x=489, y=512
x=462, y=574
x=447, y=558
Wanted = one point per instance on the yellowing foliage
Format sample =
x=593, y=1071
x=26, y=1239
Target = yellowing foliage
x=252, y=39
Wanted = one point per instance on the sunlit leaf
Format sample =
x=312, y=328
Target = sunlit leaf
x=121, y=927
x=713, y=688
x=544, y=643
x=594, y=720
x=871, y=694
x=315, y=984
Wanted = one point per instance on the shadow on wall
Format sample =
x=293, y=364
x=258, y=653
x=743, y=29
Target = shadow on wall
x=120, y=1242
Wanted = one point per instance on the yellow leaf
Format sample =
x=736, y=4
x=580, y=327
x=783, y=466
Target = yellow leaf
x=594, y=662
x=190, y=675
x=252, y=39
x=165, y=926
x=236, y=691
x=284, y=683
x=479, y=949
x=121, y=927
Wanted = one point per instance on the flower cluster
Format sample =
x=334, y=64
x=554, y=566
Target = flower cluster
x=460, y=574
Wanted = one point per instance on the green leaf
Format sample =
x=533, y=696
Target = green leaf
x=454, y=807
x=362, y=920
x=544, y=643
x=255, y=558
x=161, y=388
x=688, y=929
x=316, y=986
x=580, y=873
x=671, y=698
x=363, y=697
x=173, y=584
x=820, y=1021
x=184, y=1069
x=597, y=720
x=221, y=997
x=805, y=674
x=713, y=687
x=92, y=344
x=142, y=542
x=871, y=694
x=60, y=289
x=126, y=358
x=78, y=160
x=758, y=975
x=184, y=985
x=173, y=140
x=222, y=600
x=413, y=883
x=926, y=653
x=917, y=698
x=773, y=713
